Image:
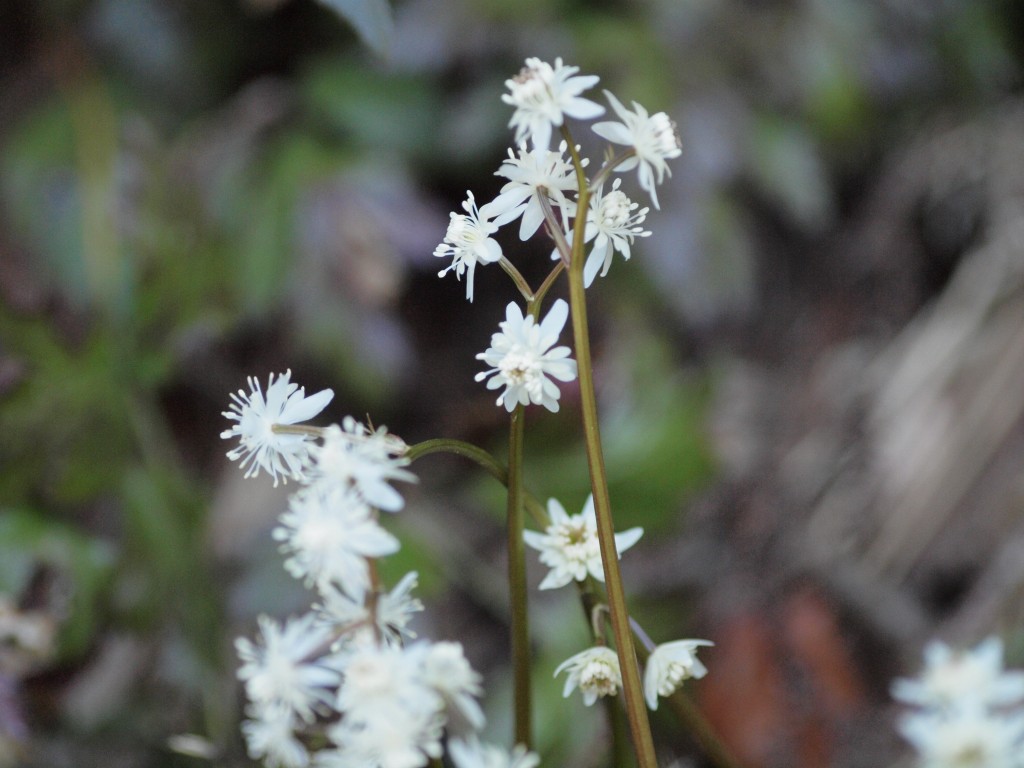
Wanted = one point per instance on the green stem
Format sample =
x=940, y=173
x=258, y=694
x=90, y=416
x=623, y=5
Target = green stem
x=486, y=461
x=632, y=690
x=517, y=278
x=520, y=636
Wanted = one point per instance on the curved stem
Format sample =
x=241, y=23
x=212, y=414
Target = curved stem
x=486, y=461
x=520, y=635
x=632, y=690
x=517, y=278
x=548, y=282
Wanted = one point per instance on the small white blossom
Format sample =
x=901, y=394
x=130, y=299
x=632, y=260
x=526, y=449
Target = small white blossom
x=594, y=671
x=262, y=448
x=543, y=96
x=523, y=360
x=270, y=736
x=352, y=457
x=652, y=137
x=468, y=242
x=532, y=174
x=973, y=678
x=471, y=753
x=348, y=612
x=612, y=225
x=444, y=667
x=280, y=672
x=669, y=665
x=972, y=739
x=328, y=535
x=570, y=547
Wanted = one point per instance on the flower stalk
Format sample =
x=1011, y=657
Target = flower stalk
x=632, y=689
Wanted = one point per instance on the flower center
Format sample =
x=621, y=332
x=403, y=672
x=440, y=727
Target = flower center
x=666, y=138
x=615, y=209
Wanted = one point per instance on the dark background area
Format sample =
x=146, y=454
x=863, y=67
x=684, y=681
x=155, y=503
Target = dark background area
x=811, y=375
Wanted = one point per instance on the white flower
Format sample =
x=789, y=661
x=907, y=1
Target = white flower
x=570, y=547
x=594, y=671
x=329, y=534
x=544, y=95
x=279, y=672
x=959, y=679
x=348, y=613
x=653, y=138
x=270, y=737
x=522, y=359
x=444, y=667
x=612, y=225
x=400, y=738
x=972, y=739
x=351, y=456
x=468, y=241
x=471, y=753
x=530, y=175
x=669, y=665
x=260, y=446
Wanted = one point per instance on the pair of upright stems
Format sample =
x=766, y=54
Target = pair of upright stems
x=632, y=689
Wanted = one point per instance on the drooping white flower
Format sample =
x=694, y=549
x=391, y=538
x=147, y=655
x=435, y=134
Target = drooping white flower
x=349, y=615
x=262, y=448
x=471, y=753
x=445, y=668
x=522, y=359
x=353, y=457
x=594, y=671
x=971, y=739
x=652, y=137
x=669, y=665
x=612, y=225
x=970, y=678
x=270, y=737
x=543, y=96
x=468, y=241
x=328, y=534
x=281, y=671
x=570, y=547
x=532, y=174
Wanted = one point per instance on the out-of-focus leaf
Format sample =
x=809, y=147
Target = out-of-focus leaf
x=371, y=19
x=82, y=566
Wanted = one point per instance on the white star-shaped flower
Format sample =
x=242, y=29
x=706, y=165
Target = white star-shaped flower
x=468, y=241
x=280, y=673
x=270, y=736
x=594, y=671
x=347, y=612
x=570, y=547
x=445, y=668
x=652, y=137
x=532, y=174
x=972, y=739
x=471, y=753
x=260, y=447
x=952, y=678
x=669, y=665
x=351, y=457
x=329, y=534
x=523, y=360
x=544, y=96
x=612, y=225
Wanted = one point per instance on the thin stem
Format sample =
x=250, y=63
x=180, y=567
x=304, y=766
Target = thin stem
x=486, y=461
x=520, y=636
x=517, y=278
x=554, y=228
x=548, y=282
x=297, y=429
x=609, y=166
x=632, y=691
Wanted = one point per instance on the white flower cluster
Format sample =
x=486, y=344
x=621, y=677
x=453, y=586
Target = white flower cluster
x=543, y=186
x=344, y=671
x=569, y=547
x=968, y=709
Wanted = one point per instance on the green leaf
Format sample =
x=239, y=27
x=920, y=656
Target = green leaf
x=371, y=19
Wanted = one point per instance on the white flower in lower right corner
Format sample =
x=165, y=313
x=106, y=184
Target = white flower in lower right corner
x=669, y=665
x=594, y=671
x=522, y=359
x=569, y=545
